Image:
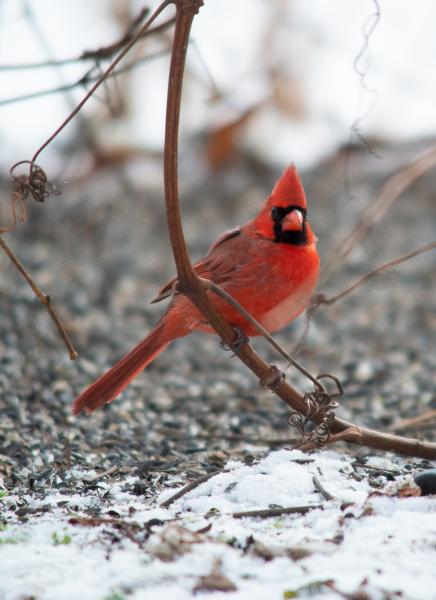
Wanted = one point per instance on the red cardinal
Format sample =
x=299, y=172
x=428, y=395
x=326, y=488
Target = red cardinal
x=270, y=266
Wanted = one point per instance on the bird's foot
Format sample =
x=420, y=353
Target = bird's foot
x=240, y=340
x=273, y=379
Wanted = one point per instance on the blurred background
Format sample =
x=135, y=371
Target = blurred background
x=344, y=90
x=297, y=80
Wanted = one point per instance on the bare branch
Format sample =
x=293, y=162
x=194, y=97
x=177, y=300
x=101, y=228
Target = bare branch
x=276, y=512
x=321, y=299
x=43, y=298
x=424, y=421
x=191, y=486
x=103, y=78
x=374, y=212
x=103, y=53
x=86, y=79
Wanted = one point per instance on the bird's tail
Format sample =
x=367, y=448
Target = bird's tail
x=112, y=383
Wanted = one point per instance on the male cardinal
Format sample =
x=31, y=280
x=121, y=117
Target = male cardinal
x=270, y=266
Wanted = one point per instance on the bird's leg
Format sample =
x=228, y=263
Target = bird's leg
x=240, y=340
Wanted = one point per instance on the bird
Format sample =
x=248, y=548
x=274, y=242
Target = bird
x=270, y=266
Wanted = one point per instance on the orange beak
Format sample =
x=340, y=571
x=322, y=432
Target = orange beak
x=293, y=221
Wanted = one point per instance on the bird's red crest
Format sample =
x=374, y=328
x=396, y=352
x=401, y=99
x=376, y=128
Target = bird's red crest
x=288, y=190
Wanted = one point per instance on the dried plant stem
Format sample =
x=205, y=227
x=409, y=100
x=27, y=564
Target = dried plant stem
x=36, y=175
x=392, y=263
x=104, y=76
x=18, y=214
x=98, y=476
x=388, y=194
x=426, y=420
x=276, y=512
x=193, y=287
x=191, y=486
x=43, y=298
x=86, y=79
x=320, y=299
x=103, y=53
x=321, y=489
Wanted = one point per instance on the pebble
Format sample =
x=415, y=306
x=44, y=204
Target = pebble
x=427, y=482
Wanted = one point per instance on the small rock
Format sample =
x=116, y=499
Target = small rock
x=427, y=482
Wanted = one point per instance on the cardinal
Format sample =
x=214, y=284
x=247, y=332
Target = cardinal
x=270, y=266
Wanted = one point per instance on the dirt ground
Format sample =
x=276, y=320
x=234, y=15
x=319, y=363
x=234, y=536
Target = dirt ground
x=101, y=250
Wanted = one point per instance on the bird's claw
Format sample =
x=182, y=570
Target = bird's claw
x=240, y=340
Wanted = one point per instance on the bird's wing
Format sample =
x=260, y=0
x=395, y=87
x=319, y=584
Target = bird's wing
x=216, y=265
x=224, y=237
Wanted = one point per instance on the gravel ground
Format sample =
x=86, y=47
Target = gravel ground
x=101, y=250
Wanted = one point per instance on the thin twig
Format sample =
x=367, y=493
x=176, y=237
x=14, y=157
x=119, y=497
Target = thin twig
x=43, y=298
x=276, y=512
x=373, y=213
x=101, y=475
x=97, y=521
x=321, y=489
x=320, y=299
x=392, y=263
x=103, y=53
x=103, y=78
x=191, y=486
x=37, y=174
x=18, y=215
x=427, y=420
x=86, y=79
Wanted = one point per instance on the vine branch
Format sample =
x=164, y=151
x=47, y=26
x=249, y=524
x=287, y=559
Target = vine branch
x=192, y=286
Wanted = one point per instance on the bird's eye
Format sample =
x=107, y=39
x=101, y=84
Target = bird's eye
x=277, y=213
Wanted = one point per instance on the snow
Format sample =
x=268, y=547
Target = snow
x=359, y=540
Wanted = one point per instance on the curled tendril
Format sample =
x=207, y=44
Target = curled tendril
x=34, y=184
x=321, y=405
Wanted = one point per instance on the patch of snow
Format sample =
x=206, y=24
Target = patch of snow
x=387, y=542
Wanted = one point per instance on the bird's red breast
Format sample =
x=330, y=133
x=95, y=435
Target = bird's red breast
x=272, y=278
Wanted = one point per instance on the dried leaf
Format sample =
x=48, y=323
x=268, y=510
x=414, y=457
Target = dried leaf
x=216, y=581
